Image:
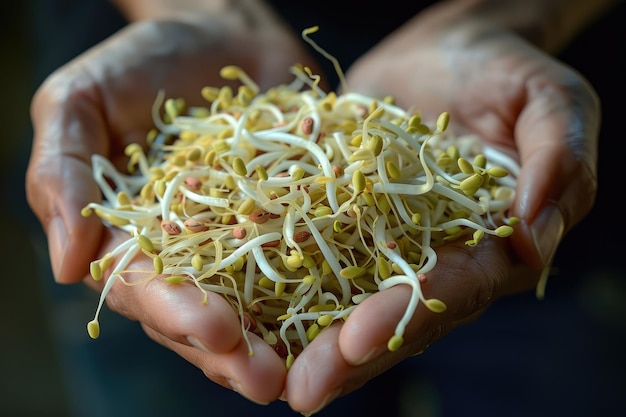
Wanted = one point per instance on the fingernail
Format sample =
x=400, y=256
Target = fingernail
x=236, y=386
x=327, y=400
x=547, y=231
x=195, y=342
x=57, y=241
x=372, y=354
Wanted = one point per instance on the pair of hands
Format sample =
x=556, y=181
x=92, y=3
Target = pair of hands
x=492, y=83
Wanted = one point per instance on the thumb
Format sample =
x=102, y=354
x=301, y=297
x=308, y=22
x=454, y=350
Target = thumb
x=466, y=279
x=67, y=131
x=557, y=139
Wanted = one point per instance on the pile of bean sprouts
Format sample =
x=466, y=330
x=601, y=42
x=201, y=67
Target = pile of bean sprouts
x=296, y=204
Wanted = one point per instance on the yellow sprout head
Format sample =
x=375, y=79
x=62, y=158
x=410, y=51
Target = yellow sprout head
x=296, y=204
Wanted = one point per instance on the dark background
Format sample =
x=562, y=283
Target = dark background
x=573, y=340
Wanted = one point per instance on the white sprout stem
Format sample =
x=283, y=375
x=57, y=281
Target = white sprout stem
x=267, y=203
x=296, y=320
x=123, y=263
x=399, y=206
x=214, y=122
x=289, y=227
x=309, y=295
x=464, y=222
x=266, y=159
x=168, y=196
x=156, y=117
x=319, y=155
x=267, y=269
x=502, y=159
x=413, y=301
x=365, y=101
x=137, y=213
x=301, y=77
x=232, y=258
x=258, y=141
x=459, y=198
x=102, y=167
x=219, y=289
x=312, y=111
x=330, y=257
x=315, y=200
x=248, y=288
x=341, y=144
x=205, y=199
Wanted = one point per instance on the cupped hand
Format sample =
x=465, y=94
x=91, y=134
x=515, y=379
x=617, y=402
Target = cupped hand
x=520, y=101
x=101, y=102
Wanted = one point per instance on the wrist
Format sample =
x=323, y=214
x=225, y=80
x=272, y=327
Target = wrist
x=238, y=14
x=235, y=18
x=136, y=10
x=548, y=24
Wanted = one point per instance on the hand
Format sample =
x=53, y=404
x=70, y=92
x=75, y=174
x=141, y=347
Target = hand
x=98, y=104
x=519, y=100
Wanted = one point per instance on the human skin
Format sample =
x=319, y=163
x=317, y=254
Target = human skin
x=493, y=73
x=98, y=104
x=517, y=98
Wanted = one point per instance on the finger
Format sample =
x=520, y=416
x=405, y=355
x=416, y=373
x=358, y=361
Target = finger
x=181, y=312
x=320, y=374
x=557, y=140
x=467, y=279
x=68, y=129
x=259, y=377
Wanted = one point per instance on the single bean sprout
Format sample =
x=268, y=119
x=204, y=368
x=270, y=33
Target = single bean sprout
x=295, y=204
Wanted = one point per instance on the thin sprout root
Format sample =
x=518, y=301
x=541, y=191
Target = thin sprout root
x=295, y=204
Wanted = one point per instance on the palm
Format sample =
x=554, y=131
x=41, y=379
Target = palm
x=102, y=102
x=128, y=71
x=491, y=86
x=507, y=92
x=516, y=99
